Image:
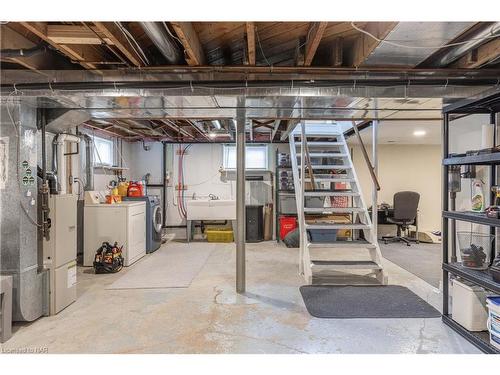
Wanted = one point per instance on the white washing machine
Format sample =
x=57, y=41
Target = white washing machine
x=124, y=223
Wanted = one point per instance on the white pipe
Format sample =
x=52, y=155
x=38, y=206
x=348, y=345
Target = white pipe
x=59, y=142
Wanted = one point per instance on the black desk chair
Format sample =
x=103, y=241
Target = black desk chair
x=405, y=213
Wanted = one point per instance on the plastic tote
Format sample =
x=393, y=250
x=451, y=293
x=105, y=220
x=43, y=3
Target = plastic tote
x=493, y=304
x=469, y=306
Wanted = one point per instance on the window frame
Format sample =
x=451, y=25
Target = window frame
x=97, y=161
x=228, y=146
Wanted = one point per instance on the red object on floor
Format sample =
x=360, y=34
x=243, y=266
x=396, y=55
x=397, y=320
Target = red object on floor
x=287, y=224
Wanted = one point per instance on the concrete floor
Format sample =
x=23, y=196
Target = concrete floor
x=209, y=317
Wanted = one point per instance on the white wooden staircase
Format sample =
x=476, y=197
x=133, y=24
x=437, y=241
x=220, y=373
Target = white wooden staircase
x=330, y=202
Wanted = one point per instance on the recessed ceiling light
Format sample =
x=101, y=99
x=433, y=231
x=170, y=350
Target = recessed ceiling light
x=212, y=135
x=419, y=133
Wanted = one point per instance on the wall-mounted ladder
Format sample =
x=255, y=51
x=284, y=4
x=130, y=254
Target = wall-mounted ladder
x=338, y=244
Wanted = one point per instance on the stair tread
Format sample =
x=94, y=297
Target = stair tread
x=334, y=209
x=332, y=134
x=362, y=244
x=331, y=193
x=321, y=144
x=338, y=226
x=325, y=154
x=331, y=179
x=352, y=264
x=328, y=166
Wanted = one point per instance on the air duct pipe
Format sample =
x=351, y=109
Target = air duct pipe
x=23, y=52
x=89, y=162
x=475, y=40
x=162, y=39
x=217, y=125
x=58, y=158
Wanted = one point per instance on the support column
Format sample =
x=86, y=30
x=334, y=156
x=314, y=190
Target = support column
x=375, y=170
x=240, y=196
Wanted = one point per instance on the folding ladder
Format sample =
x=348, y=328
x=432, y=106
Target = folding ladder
x=321, y=163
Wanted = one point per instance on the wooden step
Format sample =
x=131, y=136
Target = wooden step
x=337, y=226
x=358, y=244
x=333, y=210
x=347, y=264
x=328, y=193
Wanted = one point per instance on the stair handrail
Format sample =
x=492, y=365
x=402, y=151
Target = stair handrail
x=308, y=163
x=365, y=155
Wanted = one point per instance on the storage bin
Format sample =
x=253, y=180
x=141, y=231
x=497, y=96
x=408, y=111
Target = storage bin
x=323, y=235
x=469, y=305
x=287, y=224
x=493, y=304
x=223, y=235
x=287, y=206
x=475, y=249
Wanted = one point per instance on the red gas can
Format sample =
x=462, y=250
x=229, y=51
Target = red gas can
x=135, y=189
x=287, y=224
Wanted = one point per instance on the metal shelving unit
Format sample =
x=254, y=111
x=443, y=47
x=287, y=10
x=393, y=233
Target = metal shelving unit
x=279, y=191
x=487, y=103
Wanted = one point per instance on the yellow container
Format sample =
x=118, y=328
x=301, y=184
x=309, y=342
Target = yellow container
x=219, y=235
x=123, y=188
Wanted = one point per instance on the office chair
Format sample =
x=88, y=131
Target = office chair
x=405, y=212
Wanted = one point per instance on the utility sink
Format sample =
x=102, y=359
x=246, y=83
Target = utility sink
x=211, y=209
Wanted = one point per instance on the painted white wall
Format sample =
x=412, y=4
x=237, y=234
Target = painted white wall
x=201, y=174
x=405, y=167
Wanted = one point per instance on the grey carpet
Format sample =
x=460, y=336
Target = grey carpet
x=174, y=265
x=350, y=302
x=422, y=260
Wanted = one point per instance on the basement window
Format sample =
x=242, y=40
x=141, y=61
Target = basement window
x=256, y=157
x=103, y=151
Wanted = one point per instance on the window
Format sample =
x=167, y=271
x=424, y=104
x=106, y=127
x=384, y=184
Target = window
x=103, y=151
x=255, y=157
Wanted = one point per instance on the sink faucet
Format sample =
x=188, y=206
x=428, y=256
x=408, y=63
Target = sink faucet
x=213, y=197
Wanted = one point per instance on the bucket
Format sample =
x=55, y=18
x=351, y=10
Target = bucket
x=475, y=249
x=493, y=304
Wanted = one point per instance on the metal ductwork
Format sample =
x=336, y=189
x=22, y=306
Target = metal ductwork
x=19, y=251
x=475, y=39
x=23, y=52
x=160, y=36
x=62, y=120
x=89, y=162
x=58, y=158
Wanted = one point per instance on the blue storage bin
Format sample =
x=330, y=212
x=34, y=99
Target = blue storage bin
x=323, y=235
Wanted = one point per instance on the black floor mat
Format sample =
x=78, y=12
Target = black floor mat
x=350, y=302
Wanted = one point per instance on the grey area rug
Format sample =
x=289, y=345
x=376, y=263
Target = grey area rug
x=351, y=302
x=174, y=265
x=422, y=260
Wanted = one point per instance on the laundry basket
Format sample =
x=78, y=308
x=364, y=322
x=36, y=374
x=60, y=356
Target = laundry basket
x=475, y=249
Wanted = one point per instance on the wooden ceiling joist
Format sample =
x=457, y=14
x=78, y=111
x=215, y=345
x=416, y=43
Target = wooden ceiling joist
x=365, y=45
x=75, y=34
x=315, y=33
x=479, y=56
x=77, y=54
x=250, y=32
x=11, y=39
x=189, y=38
x=116, y=36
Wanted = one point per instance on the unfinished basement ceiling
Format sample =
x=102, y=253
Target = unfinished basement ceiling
x=180, y=81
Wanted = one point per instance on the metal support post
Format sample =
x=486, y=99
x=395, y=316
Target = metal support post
x=375, y=170
x=240, y=196
x=444, y=228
